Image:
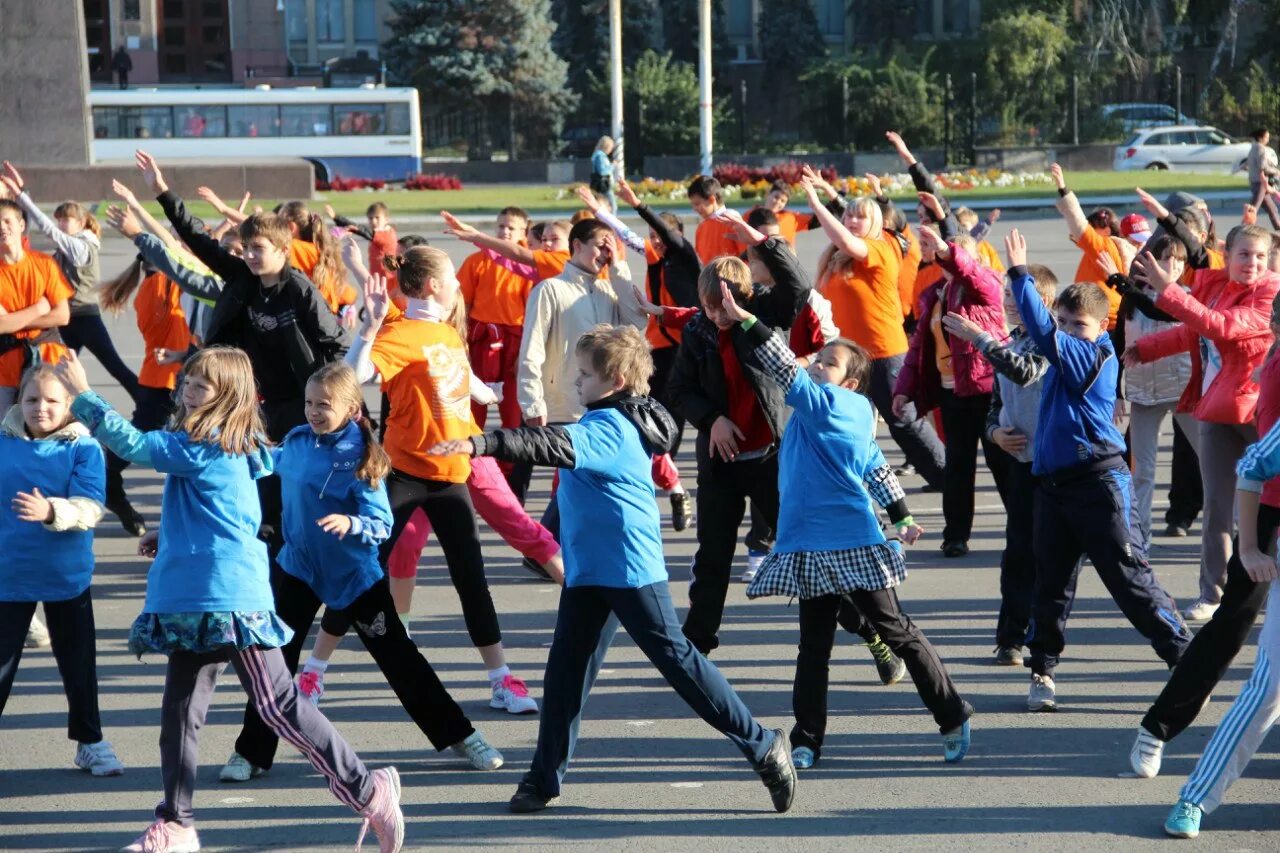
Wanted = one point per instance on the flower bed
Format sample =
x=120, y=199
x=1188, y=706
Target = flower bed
x=416, y=182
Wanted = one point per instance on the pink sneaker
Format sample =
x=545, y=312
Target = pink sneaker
x=512, y=696
x=311, y=685
x=383, y=814
x=165, y=837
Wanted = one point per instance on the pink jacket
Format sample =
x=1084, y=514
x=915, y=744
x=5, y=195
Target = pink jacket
x=1239, y=326
x=975, y=292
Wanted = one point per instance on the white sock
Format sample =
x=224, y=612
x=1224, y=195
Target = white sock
x=499, y=673
x=316, y=665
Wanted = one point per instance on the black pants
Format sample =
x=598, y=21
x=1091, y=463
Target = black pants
x=1018, y=562
x=663, y=360
x=1089, y=514
x=87, y=331
x=71, y=631
x=152, y=408
x=914, y=435
x=1186, y=492
x=1215, y=645
x=817, y=635
x=408, y=673
x=964, y=420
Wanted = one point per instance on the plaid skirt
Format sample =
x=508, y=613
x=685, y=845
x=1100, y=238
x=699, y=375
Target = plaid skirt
x=810, y=574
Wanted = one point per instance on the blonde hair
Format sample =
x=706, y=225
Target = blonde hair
x=729, y=269
x=114, y=295
x=964, y=241
x=232, y=419
x=620, y=351
x=832, y=261
x=965, y=217
x=76, y=210
x=415, y=267
x=340, y=381
x=605, y=141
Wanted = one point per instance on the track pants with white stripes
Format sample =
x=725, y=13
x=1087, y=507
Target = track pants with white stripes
x=1251, y=716
x=188, y=689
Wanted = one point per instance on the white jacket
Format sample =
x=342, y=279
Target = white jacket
x=1155, y=383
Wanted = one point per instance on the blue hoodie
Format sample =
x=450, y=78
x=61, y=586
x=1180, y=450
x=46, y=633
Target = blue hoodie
x=1075, y=427
x=210, y=559
x=318, y=478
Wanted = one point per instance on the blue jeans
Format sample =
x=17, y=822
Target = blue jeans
x=589, y=617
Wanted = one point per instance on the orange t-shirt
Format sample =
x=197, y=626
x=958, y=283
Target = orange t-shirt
x=493, y=293
x=21, y=286
x=163, y=324
x=926, y=277
x=382, y=244
x=865, y=304
x=988, y=255
x=337, y=294
x=907, y=266
x=549, y=264
x=713, y=239
x=791, y=224
x=427, y=380
x=304, y=255
x=658, y=335
x=1094, y=245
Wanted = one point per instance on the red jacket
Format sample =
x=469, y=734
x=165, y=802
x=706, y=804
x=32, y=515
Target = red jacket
x=1239, y=326
x=976, y=293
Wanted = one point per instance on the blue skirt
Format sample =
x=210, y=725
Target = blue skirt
x=165, y=633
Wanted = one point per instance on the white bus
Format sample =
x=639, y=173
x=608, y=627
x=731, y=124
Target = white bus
x=363, y=132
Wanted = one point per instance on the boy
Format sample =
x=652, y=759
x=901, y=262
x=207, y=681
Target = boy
x=714, y=236
x=610, y=512
x=789, y=222
x=380, y=233
x=1084, y=485
x=978, y=230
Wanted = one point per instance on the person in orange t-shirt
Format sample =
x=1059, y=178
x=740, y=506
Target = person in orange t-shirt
x=714, y=236
x=33, y=296
x=790, y=223
x=423, y=364
x=1094, y=235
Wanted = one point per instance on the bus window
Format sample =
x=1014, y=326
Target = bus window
x=305, y=120
x=358, y=121
x=398, y=120
x=254, y=121
x=197, y=121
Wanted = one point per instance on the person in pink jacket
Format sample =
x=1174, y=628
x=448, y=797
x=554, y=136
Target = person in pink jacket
x=1226, y=328
x=946, y=371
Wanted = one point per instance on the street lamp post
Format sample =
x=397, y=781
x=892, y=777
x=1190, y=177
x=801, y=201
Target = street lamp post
x=615, y=65
x=704, y=81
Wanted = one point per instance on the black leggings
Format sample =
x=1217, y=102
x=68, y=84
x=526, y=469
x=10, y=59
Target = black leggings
x=89, y=332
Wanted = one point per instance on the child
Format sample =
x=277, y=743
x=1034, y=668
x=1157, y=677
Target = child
x=970, y=224
x=830, y=468
x=1081, y=507
x=224, y=612
x=789, y=222
x=54, y=472
x=614, y=565
x=423, y=367
x=713, y=236
x=335, y=516
x=602, y=172
x=1011, y=426
x=380, y=233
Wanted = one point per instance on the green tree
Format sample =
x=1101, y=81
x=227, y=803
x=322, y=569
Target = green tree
x=582, y=40
x=680, y=32
x=490, y=55
x=665, y=93
x=882, y=95
x=790, y=40
x=1025, y=71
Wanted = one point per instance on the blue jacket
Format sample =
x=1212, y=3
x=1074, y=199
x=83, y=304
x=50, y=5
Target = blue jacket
x=1075, y=427
x=1260, y=463
x=317, y=478
x=42, y=562
x=210, y=559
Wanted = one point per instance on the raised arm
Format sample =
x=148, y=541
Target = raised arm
x=1197, y=254
x=230, y=213
x=1068, y=205
x=854, y=247
x=75, y=247
x=201, y=244
x=601, y=211
x=148, y=221
x=1220, y=326
x=474, y=236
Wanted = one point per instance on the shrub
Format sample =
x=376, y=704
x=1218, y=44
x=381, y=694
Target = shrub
x=433, y=182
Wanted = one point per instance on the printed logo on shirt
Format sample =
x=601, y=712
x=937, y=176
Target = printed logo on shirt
x=345, y=446
x=448, y=369
x=377, y=628
x=270, y=322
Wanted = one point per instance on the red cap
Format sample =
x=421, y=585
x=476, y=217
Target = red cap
x=1135, y=227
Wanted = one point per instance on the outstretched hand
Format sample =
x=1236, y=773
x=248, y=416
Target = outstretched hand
x=13, y=176
x=377, y=300
x=32, y=506
x=123, y=192
x=961, y=327
x=1130, y=358
x=1015, y=249
x=933, y=205
x=931, y=240
x=588, y=198
x=645, y=305
x=1157, y=274
x=458, y=228
x=874, y=181
x=336, y=523
x=1059, y=179
x=901, y=147
x=1154, y=207
x=151, y=173
x=71, y=371
x=123, y=221
x=464, y=446
x=627, y=194
x=732, y=309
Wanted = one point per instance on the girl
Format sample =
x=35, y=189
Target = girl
x=332, y=471
x=830, y=467
x=54, y=473
x=425, y=374
x=218, y=608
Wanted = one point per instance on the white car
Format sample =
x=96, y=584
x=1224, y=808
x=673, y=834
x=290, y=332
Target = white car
x=1183, y=148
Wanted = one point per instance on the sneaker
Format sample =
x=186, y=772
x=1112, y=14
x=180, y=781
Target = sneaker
x=383, y=814
x=130, y=519
x=238, y=769
x=803, y=758
x=99, y=759
x=311, y=685
x=1184, y=820
x=477, y=750
x=165, y=837
x=1008, y=656
x=534, y=567
x=778, y=773
x=955, y=743
x=904, y=470
x=1042, y=696
x=37, y=635
x=681, y=510
x=1201, y=611
x=754, y=560
x=1177, y=530
x=527, y=800
x=955, y=548
x=511, y=695
x=1145, y=756
x=888, y=665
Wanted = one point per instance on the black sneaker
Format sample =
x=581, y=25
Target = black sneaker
x=130, y=519
x=681, y=510
x=778, y=773
x=888, y=665
x=955, y=548
x=1176, y=530
x=1008, y=656
x=534, y=567
x=527, y=800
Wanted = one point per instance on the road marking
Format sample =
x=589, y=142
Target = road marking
x=686, y=784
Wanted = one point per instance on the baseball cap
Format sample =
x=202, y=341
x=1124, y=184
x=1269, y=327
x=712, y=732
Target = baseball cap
x=1135, y=227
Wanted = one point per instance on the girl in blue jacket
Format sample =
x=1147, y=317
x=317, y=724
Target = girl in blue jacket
x=208, y=596
x=53, y=473
x=336, y=514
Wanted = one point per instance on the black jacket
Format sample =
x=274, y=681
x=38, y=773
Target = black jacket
x=551, y=445
x=679, y=266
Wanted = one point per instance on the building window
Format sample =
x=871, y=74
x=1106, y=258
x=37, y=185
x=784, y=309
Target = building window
x=132, y=122
x=366, y=20
x=831, y=17
x=296, y=20
x=330, y=21
x=955, y=16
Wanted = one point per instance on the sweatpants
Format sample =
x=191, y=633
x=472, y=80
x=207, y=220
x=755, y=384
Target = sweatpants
x=87, y=331
x=1221, y=446
x=188, y=689
x=150, y=411
x=407, y=672
x=72, y=633
x=586, y=622
x=913, y=435
x=1145, y=423
x=1260, y=198
x=882, y=611
x=1186, y=493
x=1216, y=644
x=1088, y=514
x=964, y=420
x=1246, y=724
x=1018, y=561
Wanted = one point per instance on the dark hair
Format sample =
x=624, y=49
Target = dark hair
x=707, y=187
x=1105, y=217
x=780, y=186
x=1042, y=274
x=535, y=230
x=1086, y=298
x=517, y=212
x=859, y=367
x=410, y=241
x=1166, y=246
x=1192, y=218
x=674, y=221
x=10, y=204
x=759, y=217
x=895, y=219
x=378, y=207
x=586, y=230
x=1258, y=133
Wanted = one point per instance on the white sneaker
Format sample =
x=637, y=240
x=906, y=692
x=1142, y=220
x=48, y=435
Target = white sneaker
x=512, y=696
x=755, y=559
x=1042, y=696
x=99, y=759
x=37, y=635
x=1201, y=611
x=238, y=769
x=162, y=837
x=478, y=751
x=1145, y=756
